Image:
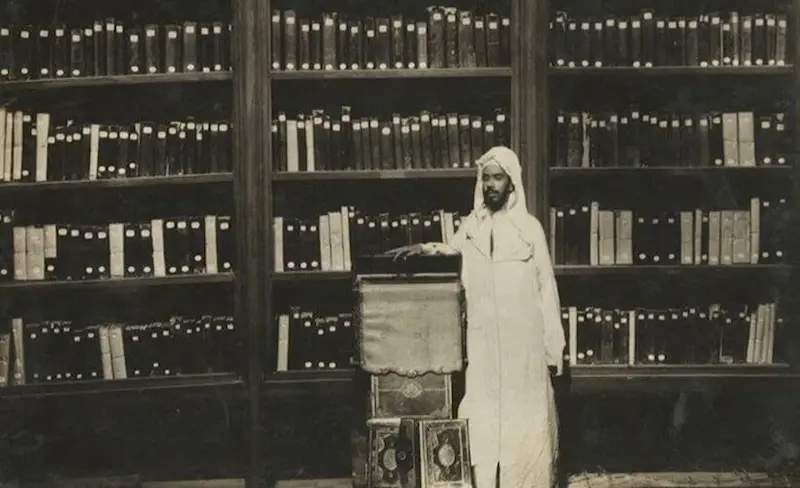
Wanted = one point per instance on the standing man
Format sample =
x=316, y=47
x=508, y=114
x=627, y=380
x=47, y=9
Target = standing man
x=514, y=330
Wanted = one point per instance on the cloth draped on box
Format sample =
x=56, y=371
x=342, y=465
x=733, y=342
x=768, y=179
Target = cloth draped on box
x=514, y=332
x=411, y=326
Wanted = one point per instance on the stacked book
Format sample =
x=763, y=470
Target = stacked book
x=410, y=419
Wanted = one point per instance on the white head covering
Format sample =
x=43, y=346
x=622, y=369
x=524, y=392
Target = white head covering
x=515, y=210
x=508, y=162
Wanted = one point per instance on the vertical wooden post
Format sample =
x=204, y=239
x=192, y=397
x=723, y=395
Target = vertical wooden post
x=529, y=100
x=249, y=79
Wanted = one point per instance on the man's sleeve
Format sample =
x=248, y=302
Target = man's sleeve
x=551, y=304
x=455, y=246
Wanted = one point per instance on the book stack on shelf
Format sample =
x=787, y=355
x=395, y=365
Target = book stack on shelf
x=650, y=38
x=673, y=175
x=111, y=47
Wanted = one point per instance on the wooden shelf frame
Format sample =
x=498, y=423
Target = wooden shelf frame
x=377, y=74
x=392, y=174
x=630, y=71
x=94, y=387
x=780, y=171
x=36, y=187
x=28, y=286
x=113, y=80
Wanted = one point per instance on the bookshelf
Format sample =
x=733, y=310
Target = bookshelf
x=463, y=98
x=277, y=420
x=684, y=169
x=604, y=70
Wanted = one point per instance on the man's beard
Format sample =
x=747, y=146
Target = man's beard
x=495, y=201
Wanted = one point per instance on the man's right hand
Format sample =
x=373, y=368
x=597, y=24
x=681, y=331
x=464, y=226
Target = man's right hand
x=405, y=251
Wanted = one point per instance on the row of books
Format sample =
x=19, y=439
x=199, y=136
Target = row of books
x=585, y=234
x=642, y=139
x=109, y=47
x=648, y=39
x=446, y=37
x=327, y=142
x=64, y=350
x=159, y=247
x=329, y=241
x=312, y=340
x=712, y=334
x=34, y=148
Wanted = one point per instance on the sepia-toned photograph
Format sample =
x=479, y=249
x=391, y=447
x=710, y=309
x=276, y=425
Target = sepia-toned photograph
x=399, y=244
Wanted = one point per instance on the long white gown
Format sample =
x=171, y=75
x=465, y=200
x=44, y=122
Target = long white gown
x=514, y=332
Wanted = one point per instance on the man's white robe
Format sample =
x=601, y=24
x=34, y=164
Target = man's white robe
x=514, y=332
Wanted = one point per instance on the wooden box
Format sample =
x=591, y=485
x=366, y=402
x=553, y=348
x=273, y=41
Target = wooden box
x=434, y=454
x=382, y=470
x=426, y=396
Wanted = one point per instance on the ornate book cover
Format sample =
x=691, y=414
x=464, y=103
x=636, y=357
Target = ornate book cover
x=434, y=454
x=426, y=396
x=382, y=471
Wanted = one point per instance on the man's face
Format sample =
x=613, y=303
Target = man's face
x=496, y=187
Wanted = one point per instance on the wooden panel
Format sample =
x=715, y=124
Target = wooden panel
x=250, y=46
x=529, y=101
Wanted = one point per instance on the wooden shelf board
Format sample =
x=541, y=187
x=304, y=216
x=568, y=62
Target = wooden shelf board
x=312, y=276
x=587, y=270
x=574, y=270
x=344, y=375
x=134, y=182
x=583, y=378
x=391, y=73
x=115, y=80
x=408, y=174
x=131, y=384
x=688, y=371
x=776, y=170
x=193, y=279
x=673, y=71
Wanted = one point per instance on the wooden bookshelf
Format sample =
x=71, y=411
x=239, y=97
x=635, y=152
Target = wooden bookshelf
x=125, y=110
x=739, y=182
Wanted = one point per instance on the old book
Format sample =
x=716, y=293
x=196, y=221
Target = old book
x=396, y=396
x=433, y=453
